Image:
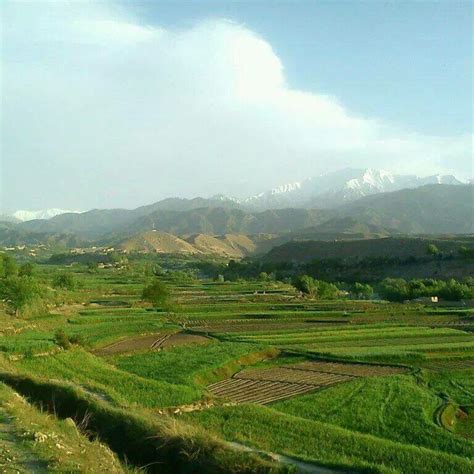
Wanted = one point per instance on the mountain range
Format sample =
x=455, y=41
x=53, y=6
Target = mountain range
x=326, y=191
x=361, y=204
x=333, y=189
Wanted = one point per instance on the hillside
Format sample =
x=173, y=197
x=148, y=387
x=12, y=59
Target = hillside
x=153, y=241
x=389, y=247
x=228, y=245
x=159, y=242
x=430, y=209
x=230, y=221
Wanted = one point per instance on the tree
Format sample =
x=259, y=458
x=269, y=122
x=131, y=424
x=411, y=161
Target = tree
x=263, y=276
x=26, y=269
x=8, y=266
x=65, y=281
x=394, y=289
x=305, y=284
x=316, y=288
x=156, y=293
x=363, y=290
x=454, y=291
x=432, y=250
x=18, y=292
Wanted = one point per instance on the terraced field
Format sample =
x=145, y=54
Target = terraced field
x=151, y=342
x=256, y=364
x=278, y=383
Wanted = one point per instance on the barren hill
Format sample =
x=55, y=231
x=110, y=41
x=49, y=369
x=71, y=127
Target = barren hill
x=156, y=241
x=228, y=245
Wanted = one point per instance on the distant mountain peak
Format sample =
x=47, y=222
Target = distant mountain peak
x=338, y=187
x=25, y=215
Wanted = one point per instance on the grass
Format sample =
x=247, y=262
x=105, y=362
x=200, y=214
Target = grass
x=457, y=385
x=385, y=424
x=38, y=442
x=97, y=376
x=396, y=408
x=185, y=365
x=163, y=445
x=324, y=443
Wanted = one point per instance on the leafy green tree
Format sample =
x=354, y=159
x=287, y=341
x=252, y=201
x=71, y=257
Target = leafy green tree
x=8, y=266
x=454, y=291
x=19, y=292
x=263, y=276
x=306, y=285
x=363, y=290
x=316, y=288
x=394, y=289
x=65, y=281
x=432, y=249
x=156, y=293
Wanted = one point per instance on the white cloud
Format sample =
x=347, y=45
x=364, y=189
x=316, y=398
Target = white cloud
x=103, y=111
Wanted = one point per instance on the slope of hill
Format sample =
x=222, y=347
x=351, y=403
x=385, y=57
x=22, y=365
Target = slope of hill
x=434, y=209
x=388, y=247
x=230, y=221
x=430, y=209
x=12, y=235
x=159, y=242
x=228, y=245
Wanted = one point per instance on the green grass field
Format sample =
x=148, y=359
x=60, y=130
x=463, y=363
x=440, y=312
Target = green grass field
x=420, y=421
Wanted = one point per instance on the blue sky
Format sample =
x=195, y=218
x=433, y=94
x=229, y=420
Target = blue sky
x=231, y=97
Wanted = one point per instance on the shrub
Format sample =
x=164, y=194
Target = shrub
x=316, y=288
x=432, y=249
x=64, y=281
x=62, y=339
x=26, y=269
x=156, y=293
x=8, y=266
x=394, y=289
x=19, y=292
x=363, y=290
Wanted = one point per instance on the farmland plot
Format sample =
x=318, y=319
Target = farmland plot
x=278, y=383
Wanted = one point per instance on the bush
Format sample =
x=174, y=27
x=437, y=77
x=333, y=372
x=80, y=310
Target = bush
x=363, y=290
x=65, y=281
x=156, y=293
x=432, y=250
x=65, y=341
x=8, y=266
x=316, y=288
x=19, y=292
x=394, y=289
x=62, y=339
x=26, y=270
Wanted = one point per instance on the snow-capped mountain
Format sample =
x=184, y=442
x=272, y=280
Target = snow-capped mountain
x=24, y=216
x=333, y=189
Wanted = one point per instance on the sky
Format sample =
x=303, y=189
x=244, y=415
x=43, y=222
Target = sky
x=119, y=104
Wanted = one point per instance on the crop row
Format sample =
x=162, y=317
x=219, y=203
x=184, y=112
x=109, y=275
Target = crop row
x=258, y=391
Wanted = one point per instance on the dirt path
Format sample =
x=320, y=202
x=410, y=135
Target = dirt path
x=301, y=466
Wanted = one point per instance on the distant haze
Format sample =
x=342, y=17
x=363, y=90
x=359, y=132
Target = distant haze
x=103, y=108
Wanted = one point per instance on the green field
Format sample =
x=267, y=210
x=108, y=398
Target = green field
x=416, y=418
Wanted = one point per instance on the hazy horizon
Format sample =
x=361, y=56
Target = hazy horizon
x=120, y=105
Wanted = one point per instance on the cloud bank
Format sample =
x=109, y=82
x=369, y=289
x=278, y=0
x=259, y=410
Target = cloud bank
x=100, y=110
